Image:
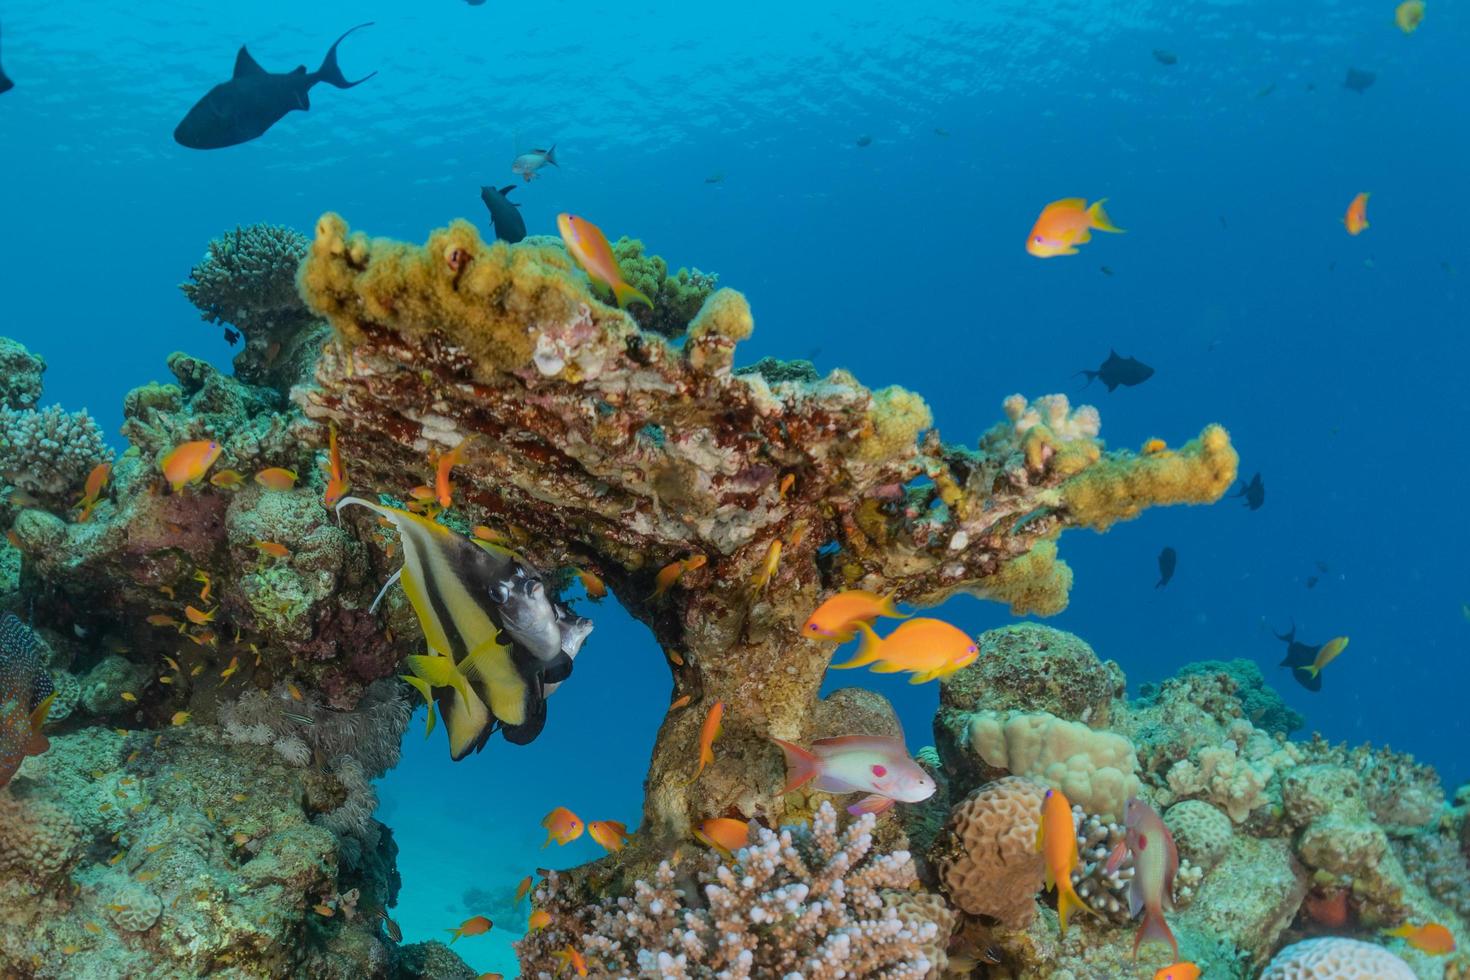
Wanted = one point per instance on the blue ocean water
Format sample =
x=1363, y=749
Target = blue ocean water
x=1337, y=363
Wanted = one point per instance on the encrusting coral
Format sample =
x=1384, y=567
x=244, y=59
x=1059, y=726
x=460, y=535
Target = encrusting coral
x=815, y=902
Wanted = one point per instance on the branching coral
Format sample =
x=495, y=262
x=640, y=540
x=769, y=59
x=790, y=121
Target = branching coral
x=20, y=375
x=48, y=453
x=676, y=298
x=817, y=903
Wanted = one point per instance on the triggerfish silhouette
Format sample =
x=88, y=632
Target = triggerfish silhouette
x=1119, y=372
x=5, y=83
x=505, y=214
x=254, y=100
x=1299, y=655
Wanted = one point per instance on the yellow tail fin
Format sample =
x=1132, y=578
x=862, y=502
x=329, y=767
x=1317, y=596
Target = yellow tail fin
x=1098, y=218
x=1067, y=899
x=868, y=652
x=626, y=294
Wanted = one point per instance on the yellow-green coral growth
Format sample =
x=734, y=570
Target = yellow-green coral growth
x=1121, y=486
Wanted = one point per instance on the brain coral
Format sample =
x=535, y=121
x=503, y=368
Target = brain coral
x=1336, y=959
x=38, y=842
x=1097, y=770
x=135, y=908
x=1201, y=832
x=987, y=857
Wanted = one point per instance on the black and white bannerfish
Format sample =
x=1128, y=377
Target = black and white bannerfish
x=498, y=642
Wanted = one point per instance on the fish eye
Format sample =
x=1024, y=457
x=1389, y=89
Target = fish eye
x=1037, y=239
x=814, y=628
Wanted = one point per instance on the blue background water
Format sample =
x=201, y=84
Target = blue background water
x=1337, y=362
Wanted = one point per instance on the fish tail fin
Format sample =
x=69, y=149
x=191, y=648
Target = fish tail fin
x=1311, y=670
x=1098, y=218
x=1154, y=930
x=551, y=159
x=889, y=607
x=868, y=652
x=330, y=73
x=625, y=294
x=1067, y=900
x=801, y=765
x=1090, y=375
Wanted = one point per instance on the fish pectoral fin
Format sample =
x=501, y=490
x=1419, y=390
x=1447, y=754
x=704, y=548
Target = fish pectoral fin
x=872, y=803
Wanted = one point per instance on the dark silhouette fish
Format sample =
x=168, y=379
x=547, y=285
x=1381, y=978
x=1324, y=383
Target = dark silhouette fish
x=1300, y=655
x=1168, y=558
x=1165, y=57
x=505, y=215
x=254, y=100
x=1254, y=493
x=1120, y=371
x=865, y=140
x=25, y=696
x=1359, y=81
x=5, y=83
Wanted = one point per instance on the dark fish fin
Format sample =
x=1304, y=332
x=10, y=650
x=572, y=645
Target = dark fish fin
x=526, y=731
x=558, y=670
x=507, y=189
x=1161, y=583
x=246, y=66
x=5, y=83
x=1289, y=636
x=330, y=73
x=1306, y=680
x=1091, y=376
x=551, y=156
x=1112, y=385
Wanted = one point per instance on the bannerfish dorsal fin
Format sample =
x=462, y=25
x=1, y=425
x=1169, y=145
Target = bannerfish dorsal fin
x=245, y=65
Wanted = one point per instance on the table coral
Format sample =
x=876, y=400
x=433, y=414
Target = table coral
x=814, y=902
x=613, y=450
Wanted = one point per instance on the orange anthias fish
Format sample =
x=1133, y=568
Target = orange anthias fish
x=198, y=617
x=476, y=926
x=562, y=826
x=1328, y=653
x=588, y=245
x=523, y=888
x=768, y=566
x=674, y=571
x=92, y=491
x=1178, y=971
x=540, y=919
x=228, y=479
x=593, y=584
x=337, y=485
x=1065, y=224
x=26, y=696
x=1431, y=938
x=1408, y=15
x=187, y=462
x=443, y=491
x=276, y=478
x=1056, y=839
x=1356, y=219
x=611, y=834
x=569, y=957
x=273, y=548
x=724, y=834
x=1155, y=863
x=837, y=618
x=708, y=732
x=927, y=648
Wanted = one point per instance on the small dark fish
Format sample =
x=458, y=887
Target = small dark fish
x=254, y=100
x=1120, y=371
x=1311, y=86
x=865, y=140
x=714, y=179
x=1223, y=223
x=472, y=3
x=232, y=337
x=1105, y=270
x=940, y=131
x=1168, y=558
x=1165, y=57
x=505, y=215
x=1312, y=581
x=1322, y=566
x=1266, y=91
x=1254, y=493
x=5, y=83
x=1359, y=81
x=990, y=954
x=390, y=928
x=1300, y=655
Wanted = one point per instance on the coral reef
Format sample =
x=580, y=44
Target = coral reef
x=814, y=902
x=247, y=279
x=676, y=297
x=20, y=376
x=987, y=859
x=47, y=454
x=1336, y=959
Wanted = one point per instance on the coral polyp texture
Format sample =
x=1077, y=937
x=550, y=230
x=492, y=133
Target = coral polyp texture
x=816, y=902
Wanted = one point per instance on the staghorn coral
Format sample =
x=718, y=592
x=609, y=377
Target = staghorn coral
x=48, y=453
x=1336, y=959
x=986, y=858
x=612, y=449
x=815, y=902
